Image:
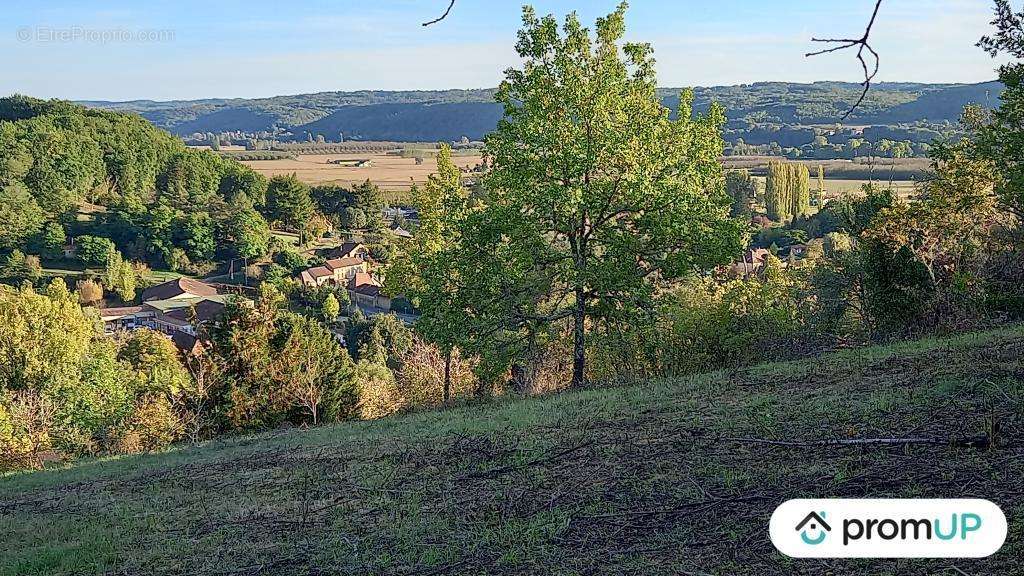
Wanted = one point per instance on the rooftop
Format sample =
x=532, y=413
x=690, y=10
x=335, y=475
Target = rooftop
x=180, y=287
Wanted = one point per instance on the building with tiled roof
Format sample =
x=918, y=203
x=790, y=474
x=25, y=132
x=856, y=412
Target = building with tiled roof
x=180, y=288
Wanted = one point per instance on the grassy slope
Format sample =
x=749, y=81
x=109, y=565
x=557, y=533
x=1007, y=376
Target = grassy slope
x=636, y=480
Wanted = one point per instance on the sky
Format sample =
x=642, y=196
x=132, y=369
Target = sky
x=189, y=49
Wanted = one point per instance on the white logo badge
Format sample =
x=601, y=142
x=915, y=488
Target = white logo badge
x=888, y=528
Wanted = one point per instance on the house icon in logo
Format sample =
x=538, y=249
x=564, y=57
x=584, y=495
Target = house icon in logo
x=813, y=523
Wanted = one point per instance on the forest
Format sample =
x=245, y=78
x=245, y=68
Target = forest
x=786, y=114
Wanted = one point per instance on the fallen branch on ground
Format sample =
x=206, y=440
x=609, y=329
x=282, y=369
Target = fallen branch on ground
x=544, y=459
x=983, y=441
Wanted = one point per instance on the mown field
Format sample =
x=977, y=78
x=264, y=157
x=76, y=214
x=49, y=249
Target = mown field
x=839, y=188
x=667, y=477
x=391, y=173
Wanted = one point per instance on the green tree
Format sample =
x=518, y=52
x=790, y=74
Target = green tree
x=597, y=195
x=820, y=196
x=423, y=269
x=245, y=230
x=190, y=180
x=94, y=250
x=800, y=194
x=20, y=216
x=1000, y=140
x=742, y=188
x=776, y=190
x=289, y=202
x=331, y=308
x=370, y=200
x=119, y=276
x=52, y=240
x=236, y=179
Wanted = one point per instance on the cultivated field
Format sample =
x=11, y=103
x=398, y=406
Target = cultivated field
x=663, y=478
x=835, y=188
x=391, y=173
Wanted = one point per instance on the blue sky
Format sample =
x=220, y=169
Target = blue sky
x=252, y=48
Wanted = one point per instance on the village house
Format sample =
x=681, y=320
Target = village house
x=400, y=232
x=752, y=262
x=366, y=292
x=176, y=307
x=352, y=250
x=334, y=271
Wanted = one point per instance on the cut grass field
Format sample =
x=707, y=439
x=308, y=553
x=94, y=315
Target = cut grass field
x=648, y=479
x=390, y=173
x=839, y=188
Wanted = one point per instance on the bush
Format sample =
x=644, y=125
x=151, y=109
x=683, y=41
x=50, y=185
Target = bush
x=89, y=291
x=152, y=425
x=291, y=261
x=421, y=378
x=94, y=250
x=378, y=393
x=26, y=419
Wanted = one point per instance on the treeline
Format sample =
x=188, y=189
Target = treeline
x=759, y=113
x=66, y=390
x=150, y=198
x=160, y=203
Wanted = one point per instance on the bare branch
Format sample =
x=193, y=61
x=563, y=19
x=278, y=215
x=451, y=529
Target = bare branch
x=862, y=44
x=443, y=16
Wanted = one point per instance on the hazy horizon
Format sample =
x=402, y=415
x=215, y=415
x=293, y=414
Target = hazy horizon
x=115, y=51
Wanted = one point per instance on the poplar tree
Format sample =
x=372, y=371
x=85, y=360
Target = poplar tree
x=800, y=189
x=425, y=269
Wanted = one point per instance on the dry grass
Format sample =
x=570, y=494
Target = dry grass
x=391, y=173
x=639, y=480
x=839, y=188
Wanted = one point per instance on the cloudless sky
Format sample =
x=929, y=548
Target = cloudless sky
x=254, y=48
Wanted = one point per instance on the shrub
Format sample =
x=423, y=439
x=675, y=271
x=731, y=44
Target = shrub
x=89, y=291
x=421, y=378
x=26, y=419
x=378, y=392
x=94, y=250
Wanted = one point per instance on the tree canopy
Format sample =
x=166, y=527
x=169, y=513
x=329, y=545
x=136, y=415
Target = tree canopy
x=596, y=195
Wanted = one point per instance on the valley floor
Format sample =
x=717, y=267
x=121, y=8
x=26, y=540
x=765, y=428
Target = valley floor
x=661, y=478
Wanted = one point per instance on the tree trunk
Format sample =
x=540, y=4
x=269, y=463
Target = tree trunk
x=579, y=355
x=447, y=375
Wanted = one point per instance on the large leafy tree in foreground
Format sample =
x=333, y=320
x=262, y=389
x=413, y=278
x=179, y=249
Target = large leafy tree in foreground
x=597, y=195
x=1001, y=141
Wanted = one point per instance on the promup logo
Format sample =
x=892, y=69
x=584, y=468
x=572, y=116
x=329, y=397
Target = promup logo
x=814, y=523
x=888, y=528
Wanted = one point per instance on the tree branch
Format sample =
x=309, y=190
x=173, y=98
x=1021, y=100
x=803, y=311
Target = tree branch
x=862, y=44
x=443, y=16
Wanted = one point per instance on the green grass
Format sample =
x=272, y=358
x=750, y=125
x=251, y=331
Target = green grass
x=160, y=276
x=639, y=480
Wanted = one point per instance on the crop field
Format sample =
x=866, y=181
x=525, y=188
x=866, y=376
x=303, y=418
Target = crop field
x=396, y=174
x=391, y=173
x=835, y=188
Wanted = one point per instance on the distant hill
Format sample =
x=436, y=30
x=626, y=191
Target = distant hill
x=451, y=114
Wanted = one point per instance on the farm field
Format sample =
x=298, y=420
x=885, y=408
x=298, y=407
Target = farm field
x=664, y=477
x=391, y=173
x=835, y=188
x=396, y=174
